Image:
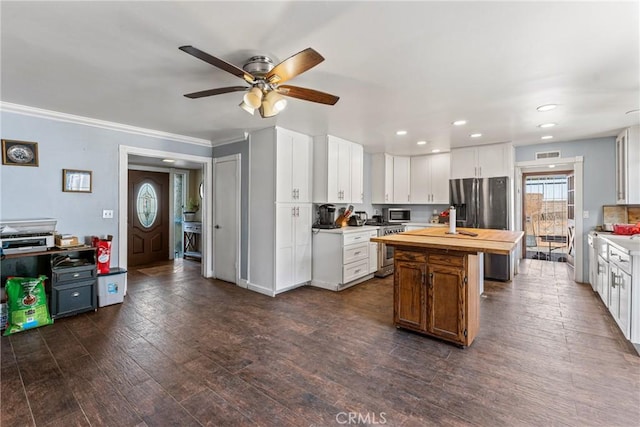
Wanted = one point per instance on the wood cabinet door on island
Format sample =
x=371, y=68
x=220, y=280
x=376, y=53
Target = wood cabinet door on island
x=410, y=294
x=446, y=302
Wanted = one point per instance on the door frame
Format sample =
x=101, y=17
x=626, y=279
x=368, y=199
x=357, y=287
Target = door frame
x=237, y=232
x=207, y=206
x=564, y=163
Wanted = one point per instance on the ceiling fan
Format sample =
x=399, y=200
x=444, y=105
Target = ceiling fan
x=265, y=80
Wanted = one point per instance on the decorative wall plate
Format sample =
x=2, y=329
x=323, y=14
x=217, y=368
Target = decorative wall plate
x=20, y=154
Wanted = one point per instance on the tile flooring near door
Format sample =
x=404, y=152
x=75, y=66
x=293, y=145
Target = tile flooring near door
x=183, y=350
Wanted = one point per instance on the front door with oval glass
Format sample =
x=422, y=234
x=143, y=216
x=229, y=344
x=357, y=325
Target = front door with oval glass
x=148, y=225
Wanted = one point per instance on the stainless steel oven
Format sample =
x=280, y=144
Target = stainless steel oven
x=396, y=215
x=385, y=253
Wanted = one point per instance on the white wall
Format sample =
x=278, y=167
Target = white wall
x=36, y=192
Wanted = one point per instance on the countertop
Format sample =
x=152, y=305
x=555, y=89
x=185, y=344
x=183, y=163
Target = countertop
x=346, y=230
x=488, y=241
x=631, y=245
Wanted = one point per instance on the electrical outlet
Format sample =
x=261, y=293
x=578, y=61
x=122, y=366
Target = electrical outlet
x=107, y=213
x=585, y=214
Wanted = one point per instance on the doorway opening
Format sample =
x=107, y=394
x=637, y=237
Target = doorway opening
x=548, y=216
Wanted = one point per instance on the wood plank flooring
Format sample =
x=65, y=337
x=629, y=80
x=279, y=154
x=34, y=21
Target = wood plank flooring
x=183, y=350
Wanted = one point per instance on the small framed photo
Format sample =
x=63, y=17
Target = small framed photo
x=76, y=181
x=19, y=153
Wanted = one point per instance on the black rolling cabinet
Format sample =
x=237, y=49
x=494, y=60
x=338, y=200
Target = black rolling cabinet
x=74, y=283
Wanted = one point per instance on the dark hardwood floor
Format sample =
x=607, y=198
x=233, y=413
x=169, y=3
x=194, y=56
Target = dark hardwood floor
x=183, y=350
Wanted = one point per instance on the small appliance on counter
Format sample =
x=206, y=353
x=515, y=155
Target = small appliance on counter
x=358, y=219
x=326, y=217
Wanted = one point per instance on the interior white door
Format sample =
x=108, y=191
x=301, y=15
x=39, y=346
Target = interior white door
x=226, y=222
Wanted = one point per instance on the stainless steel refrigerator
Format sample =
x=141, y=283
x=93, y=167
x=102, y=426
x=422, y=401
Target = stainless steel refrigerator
x=484, y=203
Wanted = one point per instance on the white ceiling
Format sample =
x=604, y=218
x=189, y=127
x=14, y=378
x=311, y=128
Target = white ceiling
x=416, y=66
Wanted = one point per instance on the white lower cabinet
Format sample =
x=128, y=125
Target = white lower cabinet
x=618, y=281
x=342, y=258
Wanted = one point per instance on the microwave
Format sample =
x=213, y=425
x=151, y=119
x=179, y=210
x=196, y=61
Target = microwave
x=396, y=215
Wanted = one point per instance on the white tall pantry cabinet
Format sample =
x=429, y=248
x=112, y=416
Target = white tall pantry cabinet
x=628, y=166
x=280, y=212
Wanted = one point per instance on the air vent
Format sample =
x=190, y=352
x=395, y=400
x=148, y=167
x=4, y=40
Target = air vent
x=548, y=155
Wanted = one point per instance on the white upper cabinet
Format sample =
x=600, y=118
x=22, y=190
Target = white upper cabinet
x=357, y=173
x=293, y=162
x=337, y=170
x=483, y=161
x=401, y=177
x=628, y=166
x=430, y=179
x=382, y=178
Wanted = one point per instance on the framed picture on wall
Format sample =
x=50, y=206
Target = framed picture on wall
x=19, y=153
x=76, y=181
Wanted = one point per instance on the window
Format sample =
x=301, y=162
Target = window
x=147, y=205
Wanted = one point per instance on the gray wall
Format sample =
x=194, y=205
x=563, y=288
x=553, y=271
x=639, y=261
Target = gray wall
x=242, y=148
x=599, y=183
x=36, y=192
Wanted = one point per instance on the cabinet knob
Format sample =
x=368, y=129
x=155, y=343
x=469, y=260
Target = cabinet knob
x=75, y=294
x=76, y=274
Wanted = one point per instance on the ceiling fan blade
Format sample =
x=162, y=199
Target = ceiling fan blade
x=217, y=91
x=217, y=62
x=308, y=94
x=294, y=65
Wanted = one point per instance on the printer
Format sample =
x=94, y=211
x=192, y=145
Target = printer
x=27, y=235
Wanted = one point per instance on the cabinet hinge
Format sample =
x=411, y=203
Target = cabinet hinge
x=465, y=332
x=465, y=280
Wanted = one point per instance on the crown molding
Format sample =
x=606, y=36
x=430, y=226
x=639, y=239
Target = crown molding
x=103, y=124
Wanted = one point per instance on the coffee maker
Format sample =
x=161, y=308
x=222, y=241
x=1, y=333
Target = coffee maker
x=326, y=217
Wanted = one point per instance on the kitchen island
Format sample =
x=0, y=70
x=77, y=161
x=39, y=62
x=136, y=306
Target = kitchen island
x=438, y=277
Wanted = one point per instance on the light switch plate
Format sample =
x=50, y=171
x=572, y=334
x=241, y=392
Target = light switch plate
x=107, y=213
x=585, y=214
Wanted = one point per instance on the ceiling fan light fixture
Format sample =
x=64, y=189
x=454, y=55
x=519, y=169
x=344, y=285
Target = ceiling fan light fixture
x=272, y=104
x=253, y=98
x=246, y=107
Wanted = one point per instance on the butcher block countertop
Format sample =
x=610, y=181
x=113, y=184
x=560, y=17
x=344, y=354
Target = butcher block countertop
x=488, y=241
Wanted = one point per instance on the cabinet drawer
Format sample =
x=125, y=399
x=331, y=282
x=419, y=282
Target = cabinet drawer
x=192, y=227
x=73, y=274
x=355, y=252
x=621, y=258
x=355, y=270
x=73, y=298
x=401, y=255
x=445, y=259
x=351, y=238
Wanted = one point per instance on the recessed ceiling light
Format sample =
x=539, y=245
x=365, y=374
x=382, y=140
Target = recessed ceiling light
x=168, y=160
x=435, y=150
x=459, y=122
x=401, y=132
x=475, y=135
x=421, y=142
x=552, y=166
x=547, y=137
x=547, y=125
x=547, y=107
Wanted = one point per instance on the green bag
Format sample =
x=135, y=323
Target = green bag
x=26, y=303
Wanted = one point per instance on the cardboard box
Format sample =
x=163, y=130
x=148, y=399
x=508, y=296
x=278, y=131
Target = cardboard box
x=66, y=241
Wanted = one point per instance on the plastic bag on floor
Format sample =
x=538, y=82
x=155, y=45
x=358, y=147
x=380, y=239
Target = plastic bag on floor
x=26, y=303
